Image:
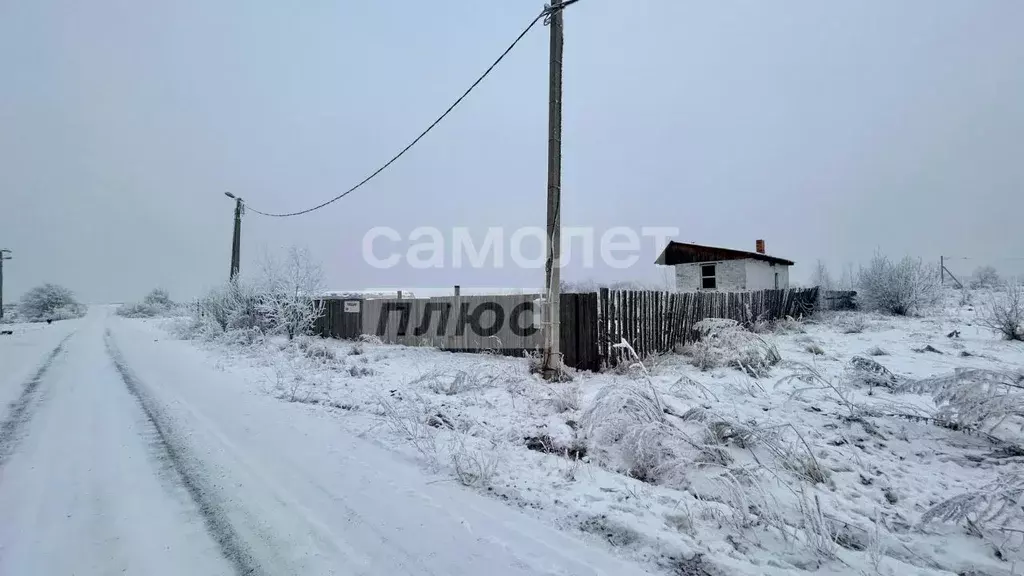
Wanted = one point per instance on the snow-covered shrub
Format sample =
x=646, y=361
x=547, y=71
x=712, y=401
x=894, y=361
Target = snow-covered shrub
x=966, y=296
x=196, y=328
x=235, y=305
x=50, y=302
x=243, y=337
x=139, y=310
x=289, y=293
x=973, y=398
x=371, y=339
x=985, y=277
x=904, y=288
x=316, y=349
x=723, y=342
x=357, y=371
x=156, y=304
x=1003, y=313
x=11, y=315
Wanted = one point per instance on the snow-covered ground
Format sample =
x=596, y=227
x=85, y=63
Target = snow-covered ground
x=816, y=467
x=126, y=452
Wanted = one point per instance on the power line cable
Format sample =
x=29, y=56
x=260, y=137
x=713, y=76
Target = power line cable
x=543, y=14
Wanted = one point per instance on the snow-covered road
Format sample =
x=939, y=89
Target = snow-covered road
x=123, y=452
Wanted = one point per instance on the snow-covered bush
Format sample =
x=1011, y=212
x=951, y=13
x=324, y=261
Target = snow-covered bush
x=985, y=277
x=289, y=293
x=316, y=349
x=236, y=305
x=904, y=288
x=50, y=302
x=1004, y=312
x=157, y=303
x=11, y=315
x=723, y=342
x=196, y=327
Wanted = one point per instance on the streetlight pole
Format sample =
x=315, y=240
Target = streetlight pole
x=4, y=255
x=236, y=237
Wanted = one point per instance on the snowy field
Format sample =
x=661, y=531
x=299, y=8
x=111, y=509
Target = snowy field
x=825, y=463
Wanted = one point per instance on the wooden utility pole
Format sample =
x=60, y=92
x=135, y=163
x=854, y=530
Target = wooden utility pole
x=236, y=237
x=552, y=284
x=4, y=255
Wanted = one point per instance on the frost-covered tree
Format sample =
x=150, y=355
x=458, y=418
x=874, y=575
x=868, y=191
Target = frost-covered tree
x=821, y=277
x=1004, y=312
x=159, y=297
x=50, y=302
x=902, y=288
x=289, y=290
x=985, y=277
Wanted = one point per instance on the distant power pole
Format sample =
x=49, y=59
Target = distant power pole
x=552, y=284
x=236, y=237
x=4, y=255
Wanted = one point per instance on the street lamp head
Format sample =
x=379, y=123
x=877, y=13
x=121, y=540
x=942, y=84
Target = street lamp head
x=229, y=195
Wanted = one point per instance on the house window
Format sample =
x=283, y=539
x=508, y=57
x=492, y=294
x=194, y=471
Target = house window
x=776, y=280
x=707, y=277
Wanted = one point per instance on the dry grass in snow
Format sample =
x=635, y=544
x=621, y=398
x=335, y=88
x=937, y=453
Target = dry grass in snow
x=766, y=457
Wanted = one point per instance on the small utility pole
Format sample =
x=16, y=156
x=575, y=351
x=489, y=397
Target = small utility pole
x=4, y=255
x=236, y=238
x=942, y=270
x=552, y=284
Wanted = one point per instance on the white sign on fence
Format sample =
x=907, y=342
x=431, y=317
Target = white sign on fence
x=352, y=306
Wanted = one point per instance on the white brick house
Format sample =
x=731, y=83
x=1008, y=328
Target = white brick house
x=708, y=268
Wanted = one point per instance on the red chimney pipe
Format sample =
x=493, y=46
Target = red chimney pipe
x=760, y=246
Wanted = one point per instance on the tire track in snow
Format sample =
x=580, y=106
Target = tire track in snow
x=21, y=410
x=232, y=547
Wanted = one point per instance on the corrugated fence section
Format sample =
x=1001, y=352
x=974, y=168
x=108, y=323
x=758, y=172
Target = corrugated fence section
x=456, y=322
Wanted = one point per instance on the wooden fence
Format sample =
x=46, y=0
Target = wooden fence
x=839, y=299
x=590, y=323
x=655, y=322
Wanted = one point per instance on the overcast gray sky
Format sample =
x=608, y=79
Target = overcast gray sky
x=826, y=128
